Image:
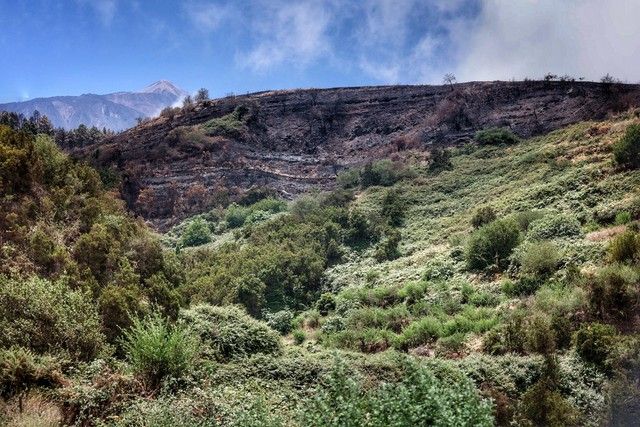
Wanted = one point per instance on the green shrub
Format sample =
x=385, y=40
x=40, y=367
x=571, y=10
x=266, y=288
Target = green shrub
x=625, y=247
x=326, y=303
x=359, y=231
x=393, y=318
x=393, y=208
x=613, y=292
x=525, y=218
x=622, y=218
x=48, y=317
x=311, y=318
x=454, y=343
x=440, y=160
x=236, y=215
x=162, y=411
x=280, y=321
x=196, y=233
x=526, y=284
x=269, y=204
x=422, y=331
x=333, y=324
x=626, y=151
x=349, y=178
x=230, y=125
x=508, y=336
x=21, y=370
x=553, y=226
x=229, y=332
x=543, y=405
x=367, y=340
x=381, y=172
x=387, y=248
x=483, y=216
x=439, y=269
x=118, y=306
x=298, y=336
x=492, y=244
x=157, y=350
x=495, y=136
x=419, y=399
x=540, y=336
x=257, y=216
x=540, y=259
x=412, y=292
x=162, y=295
x=595, y=342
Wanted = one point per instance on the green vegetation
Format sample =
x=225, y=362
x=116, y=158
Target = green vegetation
x=157, y=350
x=197, y=233
x=496, y=136
x=419, y=399
x=502, y=289
x=379, y=173
x=230, y=125
x=228, y=332
x=492, y=244
x=626, y=151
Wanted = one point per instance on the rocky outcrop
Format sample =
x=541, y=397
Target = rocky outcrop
x=293, y=141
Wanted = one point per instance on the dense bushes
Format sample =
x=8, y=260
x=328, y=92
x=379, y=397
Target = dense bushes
x=280, y=321
x=21, y=370
x=595, y=343
x=625, y=247
x=281, y=262
x=381, y=172
x=492, y=244
x=539, y=259
x=48, y=317
x=613, y=292
x=483, y=216
x=18, y=162
x=229, y=332
x=420, y=398
x=393, y=209
x=157, y=350
x=61, y=224
x=554, y=225
x=440, y=160
x=197, y=233
x=495, y=136
x=626, y=151
x=236, y=215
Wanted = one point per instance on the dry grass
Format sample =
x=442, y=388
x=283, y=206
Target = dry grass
x=605, y=233
x=37, y=411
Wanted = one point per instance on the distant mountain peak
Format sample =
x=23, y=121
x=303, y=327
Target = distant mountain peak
x=164, y=86
x=115, y=111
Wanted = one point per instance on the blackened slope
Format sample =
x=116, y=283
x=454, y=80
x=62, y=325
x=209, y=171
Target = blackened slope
x=296, y=140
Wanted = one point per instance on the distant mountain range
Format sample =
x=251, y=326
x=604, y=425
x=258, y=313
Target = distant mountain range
x=115, y=111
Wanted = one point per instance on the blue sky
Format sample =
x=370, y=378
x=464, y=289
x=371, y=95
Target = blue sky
x=71, y=47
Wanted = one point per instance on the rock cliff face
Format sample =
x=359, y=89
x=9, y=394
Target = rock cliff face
x=295, y=141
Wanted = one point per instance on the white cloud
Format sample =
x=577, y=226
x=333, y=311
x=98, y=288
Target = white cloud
x=384, y=72
x=418, y=41
x=207, y=17
x=287, y=33
x=583, y=38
